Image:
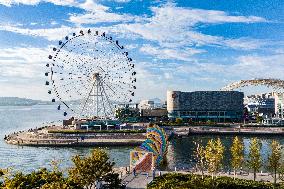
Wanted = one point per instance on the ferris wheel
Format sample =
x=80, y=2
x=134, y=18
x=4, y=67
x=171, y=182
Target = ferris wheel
x=89, y=73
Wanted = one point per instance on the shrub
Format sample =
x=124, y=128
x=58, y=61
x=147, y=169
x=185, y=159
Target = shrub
x=192, y=181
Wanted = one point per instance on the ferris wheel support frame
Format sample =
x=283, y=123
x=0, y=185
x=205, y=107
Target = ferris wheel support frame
x=97, y=91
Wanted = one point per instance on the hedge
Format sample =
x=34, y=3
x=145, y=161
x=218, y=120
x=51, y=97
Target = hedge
x=192, y=181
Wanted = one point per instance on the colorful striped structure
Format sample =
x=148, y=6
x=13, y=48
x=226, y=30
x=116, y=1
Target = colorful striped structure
x=156, y=144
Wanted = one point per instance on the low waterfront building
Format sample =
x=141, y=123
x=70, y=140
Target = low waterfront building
x=218, y=106
x=158, y=114
x=261, y=104
x=146, y=104
x=279, y=104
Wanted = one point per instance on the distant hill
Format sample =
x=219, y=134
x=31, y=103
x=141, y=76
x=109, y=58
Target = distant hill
x=16, y=101
x=156, y=100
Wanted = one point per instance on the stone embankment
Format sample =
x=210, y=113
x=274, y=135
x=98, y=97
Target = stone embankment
x=207, y=130
x=42, y=137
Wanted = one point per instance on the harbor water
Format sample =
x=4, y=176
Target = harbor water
x=16, y=118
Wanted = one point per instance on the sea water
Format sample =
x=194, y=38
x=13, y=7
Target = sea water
x=23, y=158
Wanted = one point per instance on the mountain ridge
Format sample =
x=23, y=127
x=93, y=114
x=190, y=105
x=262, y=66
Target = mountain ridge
x=18, y=101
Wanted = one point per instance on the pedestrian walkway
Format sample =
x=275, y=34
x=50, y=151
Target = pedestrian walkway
x=140, y=181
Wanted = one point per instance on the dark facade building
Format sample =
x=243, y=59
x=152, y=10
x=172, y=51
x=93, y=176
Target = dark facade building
x=218, y=106
x=158, y=114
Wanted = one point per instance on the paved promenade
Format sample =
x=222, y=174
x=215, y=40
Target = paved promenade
x=140, y=181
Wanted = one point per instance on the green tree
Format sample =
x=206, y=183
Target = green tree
x=219, y=153
x=199, y=155
x=37, y=179
x=120, y=113
x=254, y=158
x=113, y=180
x=214, y=153
x=2, y=173
x=274, y=159
x=55, y=185
x=87, y=170
x=259, y=118
x=281, y=172
x=237, y=151
x=179, y=120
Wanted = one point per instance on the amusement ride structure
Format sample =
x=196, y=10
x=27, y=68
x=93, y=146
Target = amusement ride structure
x=276, y=84
x=89, y=73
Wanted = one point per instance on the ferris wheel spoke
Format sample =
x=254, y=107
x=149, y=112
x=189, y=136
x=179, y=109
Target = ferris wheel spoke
x=113, y=89
x=87, y=99
x=105, y=114
x=121, y=85
x=107, y=98
x=72, y=86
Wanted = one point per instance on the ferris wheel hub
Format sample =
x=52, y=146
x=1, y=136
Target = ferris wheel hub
x=96, y=76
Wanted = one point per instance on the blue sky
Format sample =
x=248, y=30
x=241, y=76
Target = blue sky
x=177, y=45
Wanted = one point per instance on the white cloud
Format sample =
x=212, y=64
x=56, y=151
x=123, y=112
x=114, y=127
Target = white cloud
x=243, y=43
x=12, y=2
x=170, y=26
x=53, y=22
x=22, y=72
x=88, y=5
x=158, y=76
x=190, y=17
x=259, y=66
x=58, y=33
x=176, y=27
x=131, y=46
x=22, y=63
x=167, y=53
x=50, y=34
x=244, y=67
x=100, y=17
